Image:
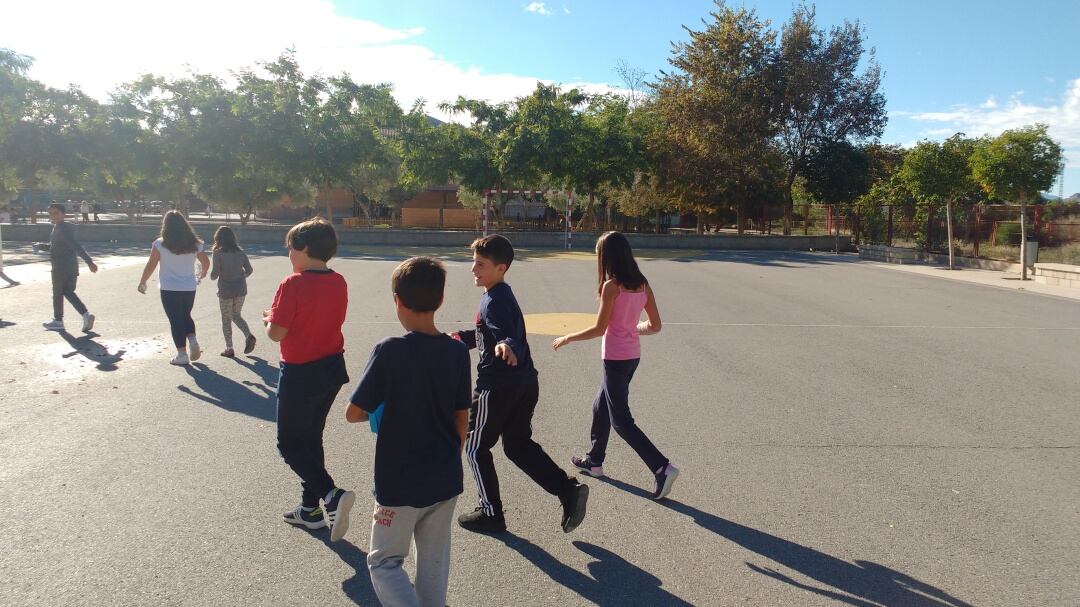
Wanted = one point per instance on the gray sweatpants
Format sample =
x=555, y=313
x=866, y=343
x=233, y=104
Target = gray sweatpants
x=393, y=530
x=230, y=313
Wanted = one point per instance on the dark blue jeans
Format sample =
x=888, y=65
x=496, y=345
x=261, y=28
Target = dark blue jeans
x=611, y=409
x=178, y=305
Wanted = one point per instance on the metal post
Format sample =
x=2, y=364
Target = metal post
x=485, y=213
x=569, y=229
x=889, y=231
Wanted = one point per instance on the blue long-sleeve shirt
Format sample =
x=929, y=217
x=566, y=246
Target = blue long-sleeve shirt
x=500, y=321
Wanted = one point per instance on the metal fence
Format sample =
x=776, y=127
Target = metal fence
x=991, y=231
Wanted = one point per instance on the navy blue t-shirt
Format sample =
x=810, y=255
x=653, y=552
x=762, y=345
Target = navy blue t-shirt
x=500, y=321
x=423, y=381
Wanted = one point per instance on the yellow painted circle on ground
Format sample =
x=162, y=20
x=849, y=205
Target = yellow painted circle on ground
x=558, y=323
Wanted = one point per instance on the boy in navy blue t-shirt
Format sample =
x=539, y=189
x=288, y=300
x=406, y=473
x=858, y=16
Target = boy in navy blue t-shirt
x=422, y=380
x=506, y=394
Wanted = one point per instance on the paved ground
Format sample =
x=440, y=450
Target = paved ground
x=848, y=434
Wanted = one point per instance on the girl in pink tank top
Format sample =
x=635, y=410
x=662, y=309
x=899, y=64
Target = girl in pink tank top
x=624, y=295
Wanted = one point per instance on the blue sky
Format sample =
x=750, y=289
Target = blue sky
x=958, y=65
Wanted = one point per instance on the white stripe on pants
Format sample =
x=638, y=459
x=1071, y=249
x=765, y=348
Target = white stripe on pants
x=393, y=529
x=472, y=445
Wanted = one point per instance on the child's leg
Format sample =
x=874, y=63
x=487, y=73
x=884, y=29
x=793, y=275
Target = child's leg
x=433, y=553
x=300, y=428
x=173, y=303
x=189, y=303
x=617, y=376
x=601, y=428
x=237, y=306
x=522, y=449
x=486, y=418
x=391, y=535
x=226, y=306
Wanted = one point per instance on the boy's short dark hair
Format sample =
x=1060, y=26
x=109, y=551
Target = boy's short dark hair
x=59, y=206
x=496, y=247
x=317, y=235
x=418, y=283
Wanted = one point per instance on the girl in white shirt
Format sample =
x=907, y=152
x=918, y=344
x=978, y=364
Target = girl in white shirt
x=177, y=250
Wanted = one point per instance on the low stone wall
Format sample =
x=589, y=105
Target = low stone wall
x=903, y=255
x=275, y=235
x=1058, y=274
x=874, y=252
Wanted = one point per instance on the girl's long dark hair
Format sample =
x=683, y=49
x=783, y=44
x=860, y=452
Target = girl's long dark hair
x=225, y=240
x=177, y=234
x=615, y=260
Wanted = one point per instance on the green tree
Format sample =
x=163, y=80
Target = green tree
x=717, y=110
x=824, y=98
x=1017, y=165
x=941, y=172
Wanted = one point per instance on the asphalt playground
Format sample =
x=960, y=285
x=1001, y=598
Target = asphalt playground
x=847, y=435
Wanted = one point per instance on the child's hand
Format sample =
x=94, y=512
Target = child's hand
x=559, y=342
x=266, y=317
x=504, y=352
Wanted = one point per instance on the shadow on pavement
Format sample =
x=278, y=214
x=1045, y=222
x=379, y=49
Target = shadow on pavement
x=261, y=367
x=866, y=584
x=94, y=352
x=248, y=398
x=358, y=588
x=6, y=323
x=614, y=581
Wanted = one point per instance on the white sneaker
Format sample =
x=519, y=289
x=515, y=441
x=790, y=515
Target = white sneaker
x=53, y=325
x=193, y=349
x=181, y=359
x=87, y=322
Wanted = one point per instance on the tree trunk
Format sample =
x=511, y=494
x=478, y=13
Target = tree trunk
x=364, y=209
x=741, y=219
x=788, y=203
x=948, y=229
x=1023, y=241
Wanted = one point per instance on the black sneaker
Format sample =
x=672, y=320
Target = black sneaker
x=573, y=506
x=664, y=480
x=587, y=467
x=337, y=512
x=312, y=518
x=482, y=522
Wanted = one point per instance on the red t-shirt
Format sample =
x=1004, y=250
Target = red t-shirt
x=311, y=305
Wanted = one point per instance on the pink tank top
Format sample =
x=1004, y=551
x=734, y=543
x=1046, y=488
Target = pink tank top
x=621, y=340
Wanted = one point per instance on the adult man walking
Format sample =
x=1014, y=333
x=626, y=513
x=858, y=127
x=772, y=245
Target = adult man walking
x=62, y=250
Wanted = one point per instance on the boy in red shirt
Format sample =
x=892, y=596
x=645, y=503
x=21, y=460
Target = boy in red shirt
x=306, y=318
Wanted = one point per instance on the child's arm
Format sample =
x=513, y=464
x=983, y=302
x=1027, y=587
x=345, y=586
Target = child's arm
x=370, y=391
x=466, y=337
x=283, y=310
x=607, y=304
x=204, y=262
x=355, y=414
x=461, y=417
x=501, y=320
x=151, y=264
x=216, y=264
x=652, y=325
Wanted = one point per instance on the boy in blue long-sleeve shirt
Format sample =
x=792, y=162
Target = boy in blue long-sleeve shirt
x=505, y=398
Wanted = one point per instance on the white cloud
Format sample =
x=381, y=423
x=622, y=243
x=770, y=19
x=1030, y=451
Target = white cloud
x=565, y=9
x=218, y=36
x=991, y=118
x=538, y=8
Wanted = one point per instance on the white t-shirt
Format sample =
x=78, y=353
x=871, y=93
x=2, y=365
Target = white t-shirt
x=177, y=272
